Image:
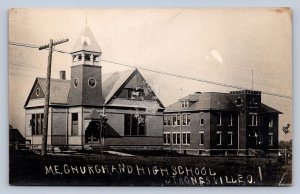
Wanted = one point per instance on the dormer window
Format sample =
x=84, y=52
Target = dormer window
x=185, y=104
x=136, y=94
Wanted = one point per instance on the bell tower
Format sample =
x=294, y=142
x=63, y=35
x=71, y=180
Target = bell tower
x=86, y=77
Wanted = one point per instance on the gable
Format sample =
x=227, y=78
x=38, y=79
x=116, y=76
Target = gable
x=59, y=90
x=134, y=81
x=37, y=92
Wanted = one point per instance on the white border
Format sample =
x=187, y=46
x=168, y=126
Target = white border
x=6, y=4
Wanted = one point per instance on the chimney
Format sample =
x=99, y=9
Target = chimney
x=62, y=75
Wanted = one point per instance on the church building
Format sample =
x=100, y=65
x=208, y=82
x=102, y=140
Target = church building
x=120, y=111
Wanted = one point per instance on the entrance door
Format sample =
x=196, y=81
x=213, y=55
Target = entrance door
x=93, y=133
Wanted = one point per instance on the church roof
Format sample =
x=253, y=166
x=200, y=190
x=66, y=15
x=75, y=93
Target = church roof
x=114, y=82
x=86, y=42
x=59, y=90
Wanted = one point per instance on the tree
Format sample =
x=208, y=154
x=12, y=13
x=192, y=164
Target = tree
x=286, y=130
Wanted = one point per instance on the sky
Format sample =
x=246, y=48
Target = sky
x=220, y=45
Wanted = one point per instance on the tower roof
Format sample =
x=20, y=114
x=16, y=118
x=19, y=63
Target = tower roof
x=86, y=42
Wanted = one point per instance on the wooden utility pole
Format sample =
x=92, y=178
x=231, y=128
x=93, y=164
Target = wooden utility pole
x=47, y=92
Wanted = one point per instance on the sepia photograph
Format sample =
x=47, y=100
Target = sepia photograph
x=150, y=97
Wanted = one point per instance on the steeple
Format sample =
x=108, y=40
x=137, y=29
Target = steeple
x=86, y=75
x=86, y=49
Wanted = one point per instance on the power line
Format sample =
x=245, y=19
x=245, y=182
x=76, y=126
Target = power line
x=196, y=79
x=17, y=64
x=21, y=75
x=35, y=46
x=164, y=73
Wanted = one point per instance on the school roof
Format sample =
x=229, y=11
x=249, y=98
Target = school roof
x=204, y=101
x=211, y=101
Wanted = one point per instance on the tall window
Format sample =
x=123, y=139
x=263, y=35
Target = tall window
x=176, y=138
x=36, y=123
x=186, y=120
x=219, y=137
x=174, y=120
x=201, y=121
x=230, y=135
x=219, y=119
x=253, y=119
x=167, y=138
x=201, y=138
x=178, y=120
x=167, y=120
x=230, y=120
x=186, y=138
x=271, y=136
x=271, y=122
x=134, y=125
x=74, y=124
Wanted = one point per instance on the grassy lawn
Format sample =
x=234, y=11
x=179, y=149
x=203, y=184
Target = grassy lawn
x=27, y=168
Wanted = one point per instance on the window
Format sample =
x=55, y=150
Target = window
x=36, y=123
x=134, y=125
x=174, y=120
x=201, y=138
x=87, y=57
x=186, y=138
x=165, y=120
x=74, y=57
x=92, y=82
x=136, y=94
x=230, y=134
x=186, y=119
x=37, y=92
x=178, y=120
x=230, y=120
x=185, y=104
x=79, y=57
x=176, y=138
x=201, y=122
x=74, y=124
x=271, y=136
x=219, y=137
x=271, y=122
x=238, y=101
x=167, y=138
x=96, y=58
x=253, y=119
x=219, y=119
x=169, y=119
x=76, y=82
